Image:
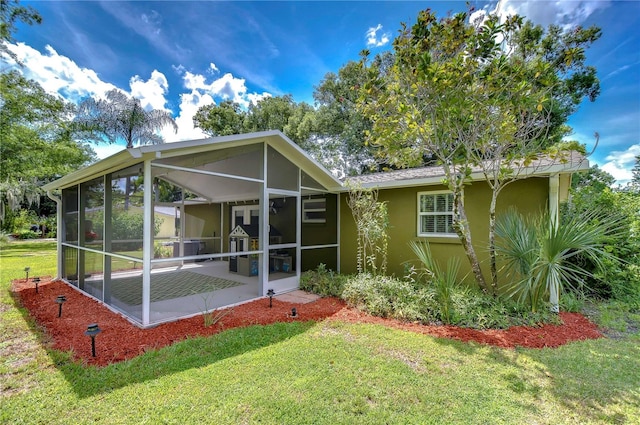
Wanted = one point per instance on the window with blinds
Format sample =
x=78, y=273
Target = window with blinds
x=435, y=214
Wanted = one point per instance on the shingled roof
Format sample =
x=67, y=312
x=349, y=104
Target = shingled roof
x=568, y=162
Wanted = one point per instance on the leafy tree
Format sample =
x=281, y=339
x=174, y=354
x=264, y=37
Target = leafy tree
x=635, y=180
x=270, y=113
x=484, y=95
x=594, y=180
x=120, y=117
x=220, y=120
x=340, y=127
x=564, y=52
x=619, y=208
x=301, y=127
x=10, y=13
x=282, y=113
x=36, y=141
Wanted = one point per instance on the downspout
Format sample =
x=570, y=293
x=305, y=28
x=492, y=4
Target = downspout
x=554, y=215
x=58, y=202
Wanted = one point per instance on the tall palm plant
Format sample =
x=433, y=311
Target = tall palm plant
x=120, y=117
x=536, y=252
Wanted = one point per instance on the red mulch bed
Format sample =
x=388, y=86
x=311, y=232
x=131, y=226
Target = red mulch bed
x=121, y=340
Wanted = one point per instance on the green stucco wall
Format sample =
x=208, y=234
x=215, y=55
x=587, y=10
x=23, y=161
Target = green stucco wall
x=203, y=221
x=528, y=196
x=321, y=234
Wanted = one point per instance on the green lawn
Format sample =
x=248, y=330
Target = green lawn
x=311, y=373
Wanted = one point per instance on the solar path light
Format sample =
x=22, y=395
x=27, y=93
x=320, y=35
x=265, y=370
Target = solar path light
x=271, y=293
x=61, y=299
x=36, y=280
x=92, y=331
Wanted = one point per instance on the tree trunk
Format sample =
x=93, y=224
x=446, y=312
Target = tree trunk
x=461, y=225
x=492, y=243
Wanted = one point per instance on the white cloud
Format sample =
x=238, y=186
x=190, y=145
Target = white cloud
x=566, y=13
x=213, y=67
x=189, y=105
x=620, y=163
x=106, y=150
x=178, y=69
x=151, y=92
x=153, y=20
x=59, y=74
x=254, y=98
x=375, y=40
x=226, y=87
x=203, y=93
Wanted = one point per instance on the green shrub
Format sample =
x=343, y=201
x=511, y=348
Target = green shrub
x=26, y=234
x=23, y=220
x=323, y=282
x=162, y=251
x=611, y=279
x=472, y=308
x=386, y=296
x=51, y=225
x=4, y=238
x=390, y=297
x=572, y=301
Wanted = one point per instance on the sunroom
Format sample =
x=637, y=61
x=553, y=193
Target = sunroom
x=170, y=231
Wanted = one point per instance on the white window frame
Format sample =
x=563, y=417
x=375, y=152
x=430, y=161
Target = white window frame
x=305, y=210
x=420, y=214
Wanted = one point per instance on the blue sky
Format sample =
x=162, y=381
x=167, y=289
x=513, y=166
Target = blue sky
x=182, y=55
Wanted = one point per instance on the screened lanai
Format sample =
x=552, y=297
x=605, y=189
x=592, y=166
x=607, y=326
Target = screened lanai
x=169, y=231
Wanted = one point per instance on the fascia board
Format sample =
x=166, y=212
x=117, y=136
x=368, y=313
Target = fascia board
x=132, y=156
x=199, y=146
x=115, y=162
x=185, y=147
x=538, y=171
x=306, y=163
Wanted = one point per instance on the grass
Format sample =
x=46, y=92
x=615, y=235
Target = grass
x=315, y=373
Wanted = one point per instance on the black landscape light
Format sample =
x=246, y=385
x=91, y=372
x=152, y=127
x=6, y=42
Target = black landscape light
x=294, y=312
x=271, y=293
x=92, y=331
x=36, y=280
x=61, y=299
x=26, y=270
